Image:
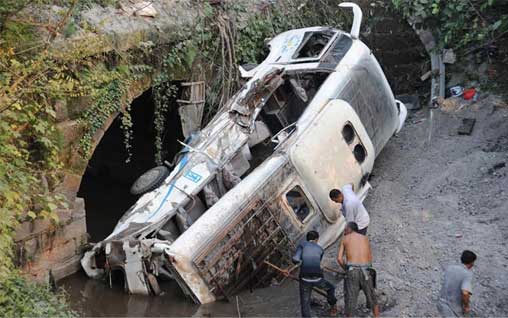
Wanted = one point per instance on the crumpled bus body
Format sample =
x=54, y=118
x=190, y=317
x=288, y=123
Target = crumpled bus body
x=247, y=187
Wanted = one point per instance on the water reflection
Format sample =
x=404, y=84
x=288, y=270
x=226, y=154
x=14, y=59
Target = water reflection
x=94, y=298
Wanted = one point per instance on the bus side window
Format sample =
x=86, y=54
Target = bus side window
x=355, y=144
x=298, y=201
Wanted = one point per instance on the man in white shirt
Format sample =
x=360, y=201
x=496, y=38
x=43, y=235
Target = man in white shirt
x=352, y=208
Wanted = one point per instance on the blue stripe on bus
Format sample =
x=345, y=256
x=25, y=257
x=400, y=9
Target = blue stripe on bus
x=182, y=163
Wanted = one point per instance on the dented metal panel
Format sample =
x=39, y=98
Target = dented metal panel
x=160, y=204
x=135, y=270
x=325, y=160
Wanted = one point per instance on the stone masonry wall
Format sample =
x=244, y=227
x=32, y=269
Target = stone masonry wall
x=395, y=45
x=43, y=246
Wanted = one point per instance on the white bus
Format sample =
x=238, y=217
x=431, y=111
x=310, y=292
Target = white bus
x=312, y=116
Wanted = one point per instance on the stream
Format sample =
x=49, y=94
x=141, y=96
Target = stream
x=94, y=298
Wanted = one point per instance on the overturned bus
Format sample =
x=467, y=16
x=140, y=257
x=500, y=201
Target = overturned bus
x=246, y=188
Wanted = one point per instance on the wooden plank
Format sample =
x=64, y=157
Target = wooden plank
x=467, y=126
x=192, y=83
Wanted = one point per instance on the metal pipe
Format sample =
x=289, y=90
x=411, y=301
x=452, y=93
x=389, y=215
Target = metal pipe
x=442, y=77
x=434, y=86
x=357, y=18
x=317, y=290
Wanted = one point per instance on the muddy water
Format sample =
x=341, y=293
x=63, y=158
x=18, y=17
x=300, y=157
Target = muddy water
x=94, y=298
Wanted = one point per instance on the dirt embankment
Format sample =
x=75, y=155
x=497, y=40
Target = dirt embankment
x=431, y=200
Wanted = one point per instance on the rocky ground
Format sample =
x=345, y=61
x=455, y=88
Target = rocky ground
x=433, y=199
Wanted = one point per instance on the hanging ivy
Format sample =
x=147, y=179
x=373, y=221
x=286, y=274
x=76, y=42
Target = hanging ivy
x=33, y=77
x=163, y=93
x=220, y=40
x=107, y=103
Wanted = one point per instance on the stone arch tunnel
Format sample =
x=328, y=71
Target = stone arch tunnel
x=108, y=177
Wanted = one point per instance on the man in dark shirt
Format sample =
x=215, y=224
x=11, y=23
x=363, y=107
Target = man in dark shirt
x=309, y=255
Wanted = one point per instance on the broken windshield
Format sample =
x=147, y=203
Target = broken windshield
x=314, y=44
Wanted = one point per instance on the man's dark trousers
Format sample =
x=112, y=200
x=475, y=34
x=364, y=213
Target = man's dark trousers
x=363, y=231
x=306, y=291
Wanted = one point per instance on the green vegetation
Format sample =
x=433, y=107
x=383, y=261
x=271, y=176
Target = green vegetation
x=34, y=76
x=457, y=24
x=19, y=298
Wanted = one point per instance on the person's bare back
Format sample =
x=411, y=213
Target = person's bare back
x=357, y=248
x=355, y=257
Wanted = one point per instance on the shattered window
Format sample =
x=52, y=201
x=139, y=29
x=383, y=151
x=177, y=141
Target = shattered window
x=359, y=153
x=313, y=44
x=299, y=203
x=338, y=50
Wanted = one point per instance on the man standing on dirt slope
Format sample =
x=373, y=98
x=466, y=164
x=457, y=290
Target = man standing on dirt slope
x=359, y=272
x=352, y=208
x=309, y=255
x=456, y=290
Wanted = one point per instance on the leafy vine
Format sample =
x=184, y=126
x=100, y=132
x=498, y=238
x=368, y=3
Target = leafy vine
x=164, y=93
x=457, y=24
x=33, y=77
x=108, y=102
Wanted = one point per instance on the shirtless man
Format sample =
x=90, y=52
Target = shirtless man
x=356, y=249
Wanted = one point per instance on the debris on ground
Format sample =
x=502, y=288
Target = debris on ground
x=456, y=91
x=423, y=196
x=449, y=104
x=469, y=93
x=460, y=98
x=466, y=128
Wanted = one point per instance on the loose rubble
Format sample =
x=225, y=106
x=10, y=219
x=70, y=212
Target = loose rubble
x=431, y=201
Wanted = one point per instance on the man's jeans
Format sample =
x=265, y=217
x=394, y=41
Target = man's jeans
x=306, y=291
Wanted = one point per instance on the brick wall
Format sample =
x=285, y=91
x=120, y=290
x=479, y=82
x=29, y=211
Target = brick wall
x=395, y=45
x=42, y=246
